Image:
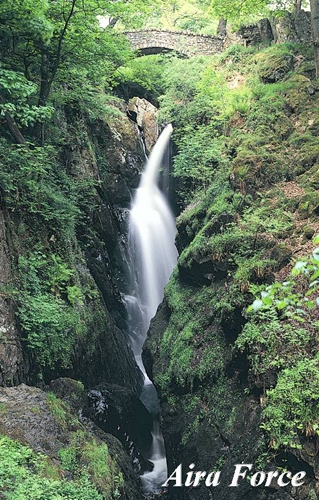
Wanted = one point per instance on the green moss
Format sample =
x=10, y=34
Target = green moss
x=58, y=409
x=274, y=63
x=3, y=409
x=297, y=140
x=293, y=405
x=253, y=169
x=186, y=347
x=308, y=204
x=296, y=96
x=310, y=179
x=22, y=471
x=240, y=229
x=85, y=454
x=308, y=155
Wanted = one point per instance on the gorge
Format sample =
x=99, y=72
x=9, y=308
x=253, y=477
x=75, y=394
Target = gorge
x=151, y=258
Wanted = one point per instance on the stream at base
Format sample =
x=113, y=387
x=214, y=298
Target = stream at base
x=152, y=256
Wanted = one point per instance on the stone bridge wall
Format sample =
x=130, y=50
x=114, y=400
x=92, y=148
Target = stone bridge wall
x=287, y=28
x=189, y=44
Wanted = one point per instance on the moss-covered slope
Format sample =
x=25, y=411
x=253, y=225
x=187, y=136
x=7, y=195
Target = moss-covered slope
x=247, y=169
x=47, y=453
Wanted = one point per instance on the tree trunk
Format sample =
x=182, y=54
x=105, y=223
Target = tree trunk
x=45, y=80
x=14, y=129
x=47, y=77
x=221, y=30
x=314, y=7
x=297, y=7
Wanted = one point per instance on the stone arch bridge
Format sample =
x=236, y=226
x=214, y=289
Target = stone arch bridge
x=153, y=41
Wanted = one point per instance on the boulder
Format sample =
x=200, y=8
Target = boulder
x=145, y=115
x=48, y=424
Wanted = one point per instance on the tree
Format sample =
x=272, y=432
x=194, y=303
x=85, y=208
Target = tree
x=314, y=6
x=191, y=15
x=61, y=41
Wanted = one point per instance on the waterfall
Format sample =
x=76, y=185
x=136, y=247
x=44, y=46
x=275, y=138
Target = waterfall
x=152, y=257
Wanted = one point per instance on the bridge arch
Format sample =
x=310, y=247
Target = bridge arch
x=154, y=41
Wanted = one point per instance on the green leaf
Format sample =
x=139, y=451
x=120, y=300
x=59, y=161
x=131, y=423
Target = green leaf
x=281, y=304
x=268, y=301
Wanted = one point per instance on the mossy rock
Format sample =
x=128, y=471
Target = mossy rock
x=308, y=232
x=312, y=495
x=255, y=170
x=296, y=140
x=309, y=205
x=307, y=156
x=297, y=96
x=274, y=65
x=313, y=125
x=69, y=390
x=307, y=69
x=310, y=179
x=281, y=254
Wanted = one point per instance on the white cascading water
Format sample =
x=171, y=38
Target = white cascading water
x=152, y=257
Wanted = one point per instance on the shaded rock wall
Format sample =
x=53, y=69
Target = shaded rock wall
x=109, y=155
x=286, y=28
x=145, y=115
x=12, y=366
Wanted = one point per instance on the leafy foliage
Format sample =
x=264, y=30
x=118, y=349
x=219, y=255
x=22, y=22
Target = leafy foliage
x=191, y=15
x=292, y=406
x=99, y=466
x=23, y=476
x=58, y=51
x=16, y=89
x=245, y=9
x=289, y=297
x=31, y=184
x=48, y=321
x=27, y=475
x=275, y=341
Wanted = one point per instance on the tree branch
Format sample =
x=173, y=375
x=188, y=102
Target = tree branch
x=62, y=36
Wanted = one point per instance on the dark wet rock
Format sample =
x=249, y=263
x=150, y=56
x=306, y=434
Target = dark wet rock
x=112, y=361
x=27, y=416
x=151, y=346
x=118, y=411
x=265, y=30
x=71, y=391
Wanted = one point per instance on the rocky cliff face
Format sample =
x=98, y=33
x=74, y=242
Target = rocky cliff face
x=108, y=158
x=287, y=28
x=103, y=158
x=239, y=233
x=12, y=363
x=112, y=156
